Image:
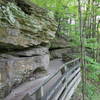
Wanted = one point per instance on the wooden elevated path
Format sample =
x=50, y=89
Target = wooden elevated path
x=59, y=85
x=63, y=88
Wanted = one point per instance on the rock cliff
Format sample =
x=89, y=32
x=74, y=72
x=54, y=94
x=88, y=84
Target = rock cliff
x=25, y=30
x=61, y=48
x=19, y=29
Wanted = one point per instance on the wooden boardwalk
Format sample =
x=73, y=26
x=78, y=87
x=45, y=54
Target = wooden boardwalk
x=64, y=86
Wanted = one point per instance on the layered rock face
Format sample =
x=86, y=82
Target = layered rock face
x=20, y=29
x=25, y=30
x=61, y=48
x=25, y=66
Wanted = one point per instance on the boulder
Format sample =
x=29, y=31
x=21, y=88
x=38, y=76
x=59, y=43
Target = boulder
x=23, y=66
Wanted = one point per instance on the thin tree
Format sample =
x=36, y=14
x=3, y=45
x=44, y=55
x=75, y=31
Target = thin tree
x=82, y=47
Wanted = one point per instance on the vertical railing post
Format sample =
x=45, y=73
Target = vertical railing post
x=63, y=70
x=75, y=63
x=39, y=93
x=27, y=97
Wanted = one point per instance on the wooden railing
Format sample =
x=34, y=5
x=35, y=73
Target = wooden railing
x=65, y=85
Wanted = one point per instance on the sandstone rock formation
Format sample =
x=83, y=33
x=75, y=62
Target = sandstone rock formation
x=25, y=28
x=19, y=29
x=25, y=66
x=60, y=48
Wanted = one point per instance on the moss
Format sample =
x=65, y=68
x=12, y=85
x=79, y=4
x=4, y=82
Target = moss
x=40, y=70
x=18, y=29
x=2, y=33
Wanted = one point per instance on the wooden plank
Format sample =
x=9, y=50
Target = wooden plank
x=70, y=86
x=68, y=97
x=54, y=76
x=64, y=69
x=60, y=90
x=73, y=69
x=72, y=61
x=39, y=93
x=73, y=75
x=57, y=84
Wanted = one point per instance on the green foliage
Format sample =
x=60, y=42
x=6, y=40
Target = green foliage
x=67, y=11
x=92, y=92
x=93, y=73
x=92, y=43
x=58, y=6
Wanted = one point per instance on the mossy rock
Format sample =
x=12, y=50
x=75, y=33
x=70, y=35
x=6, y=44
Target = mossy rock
x=24, y=24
